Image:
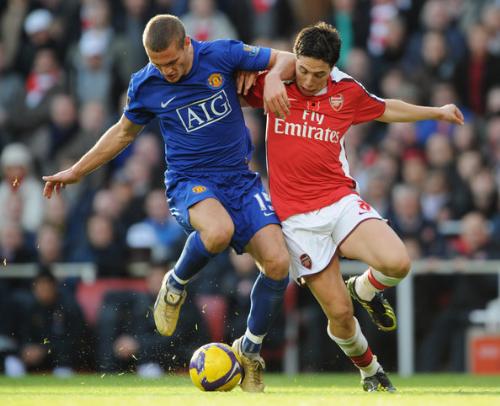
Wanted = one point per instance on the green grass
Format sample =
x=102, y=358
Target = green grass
x=309, y=389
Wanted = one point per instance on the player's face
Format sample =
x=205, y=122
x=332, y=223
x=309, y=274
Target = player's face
x=173, y=62
x=311, y=75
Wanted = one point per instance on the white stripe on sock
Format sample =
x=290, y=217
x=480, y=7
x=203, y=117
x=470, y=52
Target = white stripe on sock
x=253, y=338
x=355, y=346
x=384, y=279
x=179, y=280
x=352, y=346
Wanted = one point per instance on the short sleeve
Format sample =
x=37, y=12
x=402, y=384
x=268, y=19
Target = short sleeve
x=369, y=108
x=247, y=57
x=255, y=96
x=134, y=110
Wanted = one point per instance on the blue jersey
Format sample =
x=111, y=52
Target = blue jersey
x=200, y=116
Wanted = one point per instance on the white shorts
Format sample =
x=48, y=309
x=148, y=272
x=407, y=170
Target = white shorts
x=312, y=238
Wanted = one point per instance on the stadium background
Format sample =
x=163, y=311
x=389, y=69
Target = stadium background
x=64, y=68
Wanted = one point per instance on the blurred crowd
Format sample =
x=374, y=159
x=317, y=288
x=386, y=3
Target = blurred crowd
x=64, y=71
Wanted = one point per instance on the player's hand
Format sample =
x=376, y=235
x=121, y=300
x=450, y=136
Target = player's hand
x=54, y=183
x=275, y=96
x=452, y=114
x=245, y=80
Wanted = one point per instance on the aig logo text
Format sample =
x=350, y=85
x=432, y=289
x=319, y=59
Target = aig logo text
x=204, y=112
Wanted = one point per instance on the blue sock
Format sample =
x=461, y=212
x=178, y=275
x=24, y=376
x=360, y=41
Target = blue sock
x=193, y=258
x=267, y=297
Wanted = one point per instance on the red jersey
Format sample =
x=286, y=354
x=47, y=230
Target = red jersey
x=306, y=158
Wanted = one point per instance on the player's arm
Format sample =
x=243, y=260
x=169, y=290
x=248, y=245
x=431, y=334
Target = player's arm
x=400, y=111
x=114, y=140
x=281, y=67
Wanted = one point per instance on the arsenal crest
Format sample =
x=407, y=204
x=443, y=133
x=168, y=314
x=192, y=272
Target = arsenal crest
x=337, y=102
x=306, y=261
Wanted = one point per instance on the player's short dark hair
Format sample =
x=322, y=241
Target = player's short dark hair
x=161, y=31
x=319, y=41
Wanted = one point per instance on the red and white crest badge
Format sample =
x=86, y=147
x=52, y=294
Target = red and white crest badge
x=306, y=261
x=337, y=102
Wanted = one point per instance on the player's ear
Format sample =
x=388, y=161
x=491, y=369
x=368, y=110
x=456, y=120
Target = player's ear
x=187, y=41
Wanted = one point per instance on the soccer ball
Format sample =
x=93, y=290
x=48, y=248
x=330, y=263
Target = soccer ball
x=215, y=367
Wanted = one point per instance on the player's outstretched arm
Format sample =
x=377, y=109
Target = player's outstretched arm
x=115, y=139
x=400, y=111
x=281, y=67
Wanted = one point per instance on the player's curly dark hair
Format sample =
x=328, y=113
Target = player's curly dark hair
x=161, y=31
x=319, y=41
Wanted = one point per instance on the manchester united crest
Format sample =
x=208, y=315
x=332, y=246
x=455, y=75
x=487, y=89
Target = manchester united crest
x=215, y=80
x=337, y=102
x=306, y=261
x=199, y=189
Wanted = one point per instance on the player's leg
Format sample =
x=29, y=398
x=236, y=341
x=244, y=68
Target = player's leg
x=213, y=230
x=343, y=328
x=375, y=243
x=268, y=249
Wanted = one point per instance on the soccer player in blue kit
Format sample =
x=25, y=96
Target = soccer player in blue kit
x=190, y=87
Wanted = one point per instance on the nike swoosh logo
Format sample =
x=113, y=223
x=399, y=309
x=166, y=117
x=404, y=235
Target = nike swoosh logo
x=268, y=214
x=233, y=370
x=165, y=104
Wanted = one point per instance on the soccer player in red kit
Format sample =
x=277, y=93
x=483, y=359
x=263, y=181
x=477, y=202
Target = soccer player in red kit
x=317, y=200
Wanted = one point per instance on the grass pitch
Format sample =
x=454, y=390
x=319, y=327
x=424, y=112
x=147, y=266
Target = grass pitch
x=281, y=390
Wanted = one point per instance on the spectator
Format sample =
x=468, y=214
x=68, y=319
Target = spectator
x=127, y=337
x=205, y=23
x=32, y=110
x=51, y=328
x=49, y=246
x=484, y=194
x=159, y=230
x=105, y=249
x=12, y=89
x=19, y=184
x=93, y=69
x=480, y=66
x=11, y=28
x=61, y=128
x=14, y=245
x=129, y=51
x=37, y=26
x=444, y=345
x=435, y=16
x=408, y=221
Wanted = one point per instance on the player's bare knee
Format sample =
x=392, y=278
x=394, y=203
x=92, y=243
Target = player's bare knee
x=277, y=267
x=342, y=321
x=399, y=265
x=218, y=239
x=343, y=315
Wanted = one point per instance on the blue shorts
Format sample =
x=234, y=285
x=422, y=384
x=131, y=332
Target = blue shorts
x=240, y=192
